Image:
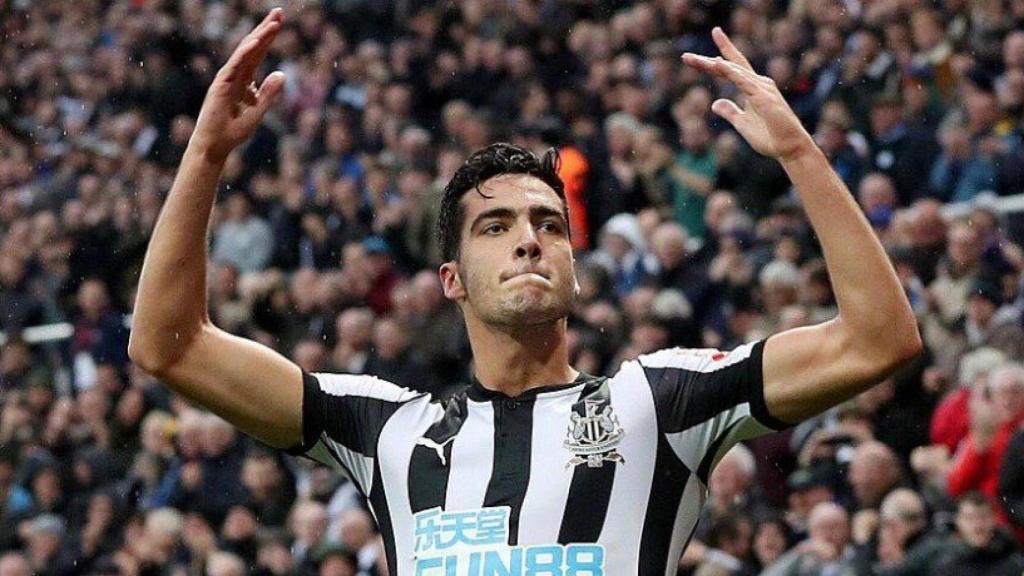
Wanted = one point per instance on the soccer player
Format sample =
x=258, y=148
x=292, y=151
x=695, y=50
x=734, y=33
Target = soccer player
x=536, y=469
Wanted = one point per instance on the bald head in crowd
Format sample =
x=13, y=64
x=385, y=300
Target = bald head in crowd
x=13, y=564
x=732, y=476
x=830, y=524
x=225, y=564
x=874, y=471
x=904, y=513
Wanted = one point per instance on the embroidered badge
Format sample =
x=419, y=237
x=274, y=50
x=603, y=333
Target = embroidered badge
x=593, y=436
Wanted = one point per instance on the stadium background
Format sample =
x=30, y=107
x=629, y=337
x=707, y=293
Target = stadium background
x=322, y=247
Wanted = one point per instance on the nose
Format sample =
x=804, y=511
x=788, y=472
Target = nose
x=528, y=246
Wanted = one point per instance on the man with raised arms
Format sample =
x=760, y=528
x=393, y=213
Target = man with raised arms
x=536, y=468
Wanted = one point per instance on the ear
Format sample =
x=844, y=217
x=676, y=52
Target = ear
x=451, y=281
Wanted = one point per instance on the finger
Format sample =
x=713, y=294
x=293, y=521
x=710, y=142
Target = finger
x=727, y=109
x=728, y=49
x=744, y=79
x=269, y=91
x=248, y=54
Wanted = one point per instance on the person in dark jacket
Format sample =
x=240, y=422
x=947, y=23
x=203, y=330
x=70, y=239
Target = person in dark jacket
x=984, y=548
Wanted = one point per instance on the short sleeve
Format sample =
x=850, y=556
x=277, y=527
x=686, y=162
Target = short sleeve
x=342, y=418
x=708, y=400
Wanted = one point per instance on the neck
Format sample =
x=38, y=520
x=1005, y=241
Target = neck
x=512, y=360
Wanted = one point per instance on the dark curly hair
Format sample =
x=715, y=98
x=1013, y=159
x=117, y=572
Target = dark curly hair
x=482, y=165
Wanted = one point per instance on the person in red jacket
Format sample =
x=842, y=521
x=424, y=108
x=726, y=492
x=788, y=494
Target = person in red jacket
x=950, y=423
x=996, y=410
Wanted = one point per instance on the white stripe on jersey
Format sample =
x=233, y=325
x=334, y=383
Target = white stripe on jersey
x=691, y=445
x=397, y=441
x=634, y=405
x=357, y=466
x=363, y=386
x=467, y=484
x=544, y=504
x=696, y=359
x=686, y=520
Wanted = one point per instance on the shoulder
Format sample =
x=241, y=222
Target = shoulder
x=362, y=386
x=698, y=359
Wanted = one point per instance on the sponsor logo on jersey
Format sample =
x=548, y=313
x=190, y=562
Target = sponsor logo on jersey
x=475, y=543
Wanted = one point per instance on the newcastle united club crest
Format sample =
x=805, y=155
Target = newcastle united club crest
x=593, y=435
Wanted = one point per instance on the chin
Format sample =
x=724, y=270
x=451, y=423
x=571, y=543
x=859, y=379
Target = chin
x=527, y=310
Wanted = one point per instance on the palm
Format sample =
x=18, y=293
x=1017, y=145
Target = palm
x=234, y=105
x=766, y=121
x=755, y=131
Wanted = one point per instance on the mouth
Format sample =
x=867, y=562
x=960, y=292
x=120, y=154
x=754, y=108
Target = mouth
x=528, y=274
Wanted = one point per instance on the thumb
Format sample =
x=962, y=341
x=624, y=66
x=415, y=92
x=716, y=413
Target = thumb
x=269, y=90
x=727, y=109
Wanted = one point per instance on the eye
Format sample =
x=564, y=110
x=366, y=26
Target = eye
x=551, y=226
x=494, y=229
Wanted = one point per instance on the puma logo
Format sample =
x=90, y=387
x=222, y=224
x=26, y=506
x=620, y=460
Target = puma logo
x=439, y=448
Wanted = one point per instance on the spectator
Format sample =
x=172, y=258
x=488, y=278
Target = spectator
x=996, y=409
x=244, y=241
x=983, y=548
x=905, y=545
x=826, y=551
x=14, y=564
x=693, y=175
x=874, y=472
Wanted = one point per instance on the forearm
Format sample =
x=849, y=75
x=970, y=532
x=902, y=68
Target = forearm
x=697, y=183
x=873, y=309
x=968, y=471
x=170, y=307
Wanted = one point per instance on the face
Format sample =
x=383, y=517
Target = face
x=830, y=526
x=964, y=246
x=515, y=266
x=728, y=481
x=1007, y=396
x=980, y=310
x=769, y=543
x=976, y=524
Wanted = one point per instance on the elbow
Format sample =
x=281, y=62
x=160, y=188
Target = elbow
x=903, y=345
x=143, y=354
x=154, y=354
x=885, y=349
x=907, y=344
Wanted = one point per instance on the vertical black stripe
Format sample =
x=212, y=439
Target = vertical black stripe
x=428, y=473
x=513, y=432
x=669, y=482
x=379, y=503
x=591, y=488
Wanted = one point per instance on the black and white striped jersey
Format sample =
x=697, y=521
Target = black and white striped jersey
x=601, y=476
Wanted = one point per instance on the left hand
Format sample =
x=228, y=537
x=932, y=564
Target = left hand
x=767, y=123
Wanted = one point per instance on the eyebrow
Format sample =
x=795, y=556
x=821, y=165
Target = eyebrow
x=535, y=212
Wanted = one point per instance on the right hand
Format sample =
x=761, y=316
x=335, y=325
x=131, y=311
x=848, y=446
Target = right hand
x=234, y=105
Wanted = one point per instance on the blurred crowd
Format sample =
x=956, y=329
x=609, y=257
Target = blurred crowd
x=323, y=247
